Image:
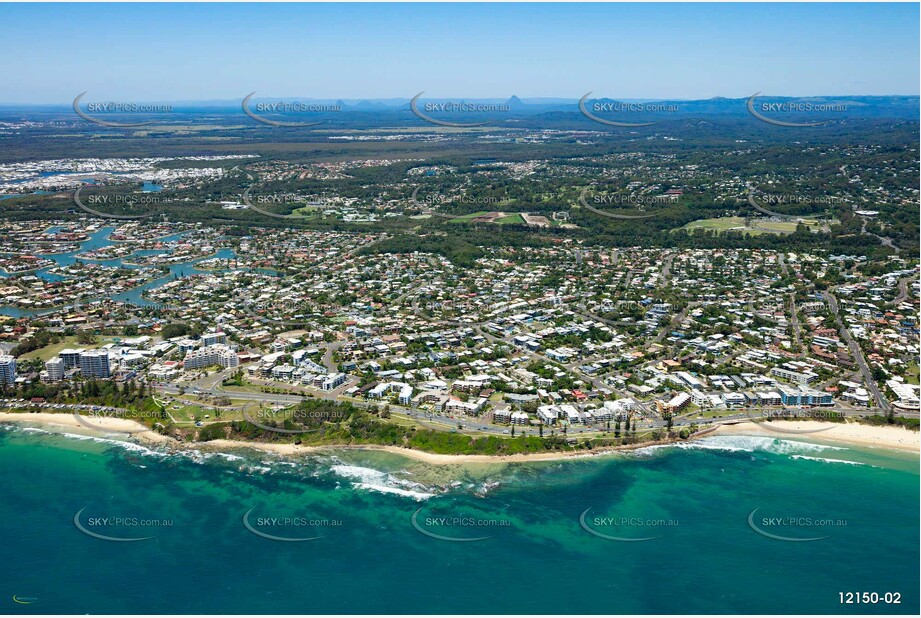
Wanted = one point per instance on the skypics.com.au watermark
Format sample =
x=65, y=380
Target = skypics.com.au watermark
x=438, y=199
x=112, y=108
x=287, y=529
x=457, y=108
x=94, y=203
x=633, y=203
x=259, y=309
x=758, y=201
x=600, y=111
x=778, y=110
x=276, y=420
x=258, y=111
x=93, y=419
x=629, y=199
x=118, y=528
x=792, y=527
x=274, y=198
x=151, y=305
x=625, y=529
x=456, y=528
x=787, y=414
x=799, y=198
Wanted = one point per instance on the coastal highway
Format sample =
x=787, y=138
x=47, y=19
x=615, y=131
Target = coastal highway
x=473, y=424
x=469, y=425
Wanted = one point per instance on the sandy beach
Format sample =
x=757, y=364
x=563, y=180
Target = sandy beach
x=70, y=423
x=66, y=420
x=887, y=437
x=879, y=436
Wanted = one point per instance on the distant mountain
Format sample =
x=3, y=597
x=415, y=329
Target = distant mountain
x=862, y=106
x=515, y=103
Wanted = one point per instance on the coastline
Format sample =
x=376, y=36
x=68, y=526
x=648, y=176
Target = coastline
x=855, y=434
x=117, y=425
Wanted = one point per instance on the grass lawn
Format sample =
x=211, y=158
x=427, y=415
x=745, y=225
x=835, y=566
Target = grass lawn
x=707, y=413
x=756, y=227
x=467, y=218
x=50, y=351
x=188, y=411
x=912, y=374
x=720, y=225
x=306, y=211
x=509, y=218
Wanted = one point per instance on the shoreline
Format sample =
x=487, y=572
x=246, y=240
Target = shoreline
x=854, y=434
x=889, y=437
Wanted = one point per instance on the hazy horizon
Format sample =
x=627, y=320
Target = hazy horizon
x=394, y=101
x=202, y=52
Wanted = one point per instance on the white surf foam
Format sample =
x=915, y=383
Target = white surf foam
x=828, y=460
x=743, y=444
x=375, y=480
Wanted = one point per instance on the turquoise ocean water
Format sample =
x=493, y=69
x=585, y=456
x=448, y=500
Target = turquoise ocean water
x=392, y=535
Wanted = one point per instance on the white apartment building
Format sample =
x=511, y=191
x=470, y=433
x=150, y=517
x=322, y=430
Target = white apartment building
x=797, y=377
x=216, y=354
x=54, y=369
x=332, y=381
x=7, y=369
x=95, y=364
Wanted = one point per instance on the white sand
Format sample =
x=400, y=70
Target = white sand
x=68, y=421
x=880, y=436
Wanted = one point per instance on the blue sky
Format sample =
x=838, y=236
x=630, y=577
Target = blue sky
x=49, y=53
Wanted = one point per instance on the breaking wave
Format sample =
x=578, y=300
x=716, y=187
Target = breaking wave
x=383, y=482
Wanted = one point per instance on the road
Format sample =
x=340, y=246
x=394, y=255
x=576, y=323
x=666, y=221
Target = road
x=794, y=320
x=328, y=356
x=667, y=268
x=858, y=354
x=674, y=324
x=903, y=289
x=783, y=264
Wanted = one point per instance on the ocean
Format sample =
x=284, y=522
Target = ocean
x=727, y=524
